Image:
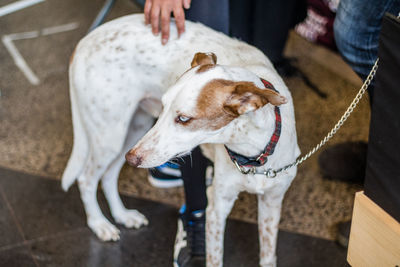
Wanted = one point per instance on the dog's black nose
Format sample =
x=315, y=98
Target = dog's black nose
x=133, y=159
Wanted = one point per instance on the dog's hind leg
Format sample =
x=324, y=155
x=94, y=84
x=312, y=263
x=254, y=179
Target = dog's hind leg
x=140, y=124
x=269, y=211
x=80, y=148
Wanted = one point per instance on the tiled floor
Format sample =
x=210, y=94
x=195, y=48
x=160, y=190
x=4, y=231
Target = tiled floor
x=41, y=225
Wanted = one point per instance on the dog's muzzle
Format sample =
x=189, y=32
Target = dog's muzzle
x=133, y=159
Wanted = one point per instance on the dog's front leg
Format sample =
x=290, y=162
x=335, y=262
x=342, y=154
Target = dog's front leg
x=220, y=202
x=128, y=217
x=88, y=183
x=269, y=211
x=140, y=124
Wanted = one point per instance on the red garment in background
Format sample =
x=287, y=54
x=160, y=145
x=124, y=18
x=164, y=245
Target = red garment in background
x=318, y=25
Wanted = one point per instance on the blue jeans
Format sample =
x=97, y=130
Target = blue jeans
x=357, y=27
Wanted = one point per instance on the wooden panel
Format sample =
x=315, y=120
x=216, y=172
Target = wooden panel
x=374, y=237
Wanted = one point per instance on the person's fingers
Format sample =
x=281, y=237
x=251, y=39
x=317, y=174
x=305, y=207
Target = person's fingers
x=179, y=15
x=154, y=18
x=165, y=19
x=186, y=4
x=147, y=9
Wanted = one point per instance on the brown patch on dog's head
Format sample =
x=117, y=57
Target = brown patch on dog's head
x=209, y=109
x=221, y=101
x=204, y=59
x=247, y=97
x=204, y=68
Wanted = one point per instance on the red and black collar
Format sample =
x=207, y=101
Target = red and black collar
x=261, y=159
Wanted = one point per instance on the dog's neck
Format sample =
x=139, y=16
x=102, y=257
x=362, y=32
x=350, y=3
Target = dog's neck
x=249, y=134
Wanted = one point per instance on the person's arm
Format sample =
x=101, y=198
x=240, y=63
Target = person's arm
x=156, y=10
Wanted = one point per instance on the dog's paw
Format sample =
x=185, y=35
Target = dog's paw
x=267, y=261
x=104, y=230
x=131, y=218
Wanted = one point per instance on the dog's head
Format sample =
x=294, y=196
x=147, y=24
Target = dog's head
x=198, y=107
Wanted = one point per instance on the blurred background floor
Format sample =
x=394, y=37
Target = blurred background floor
x=36, y=140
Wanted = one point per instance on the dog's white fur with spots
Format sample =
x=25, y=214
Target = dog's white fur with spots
x=119, y=76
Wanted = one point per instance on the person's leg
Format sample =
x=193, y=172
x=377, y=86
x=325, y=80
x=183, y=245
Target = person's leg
x=272, y=21
x=263, y=23
x=266, y=24
x=357, y=26
x=240, y=19
x=193, y=168
x=213, y=13
x=190, y=238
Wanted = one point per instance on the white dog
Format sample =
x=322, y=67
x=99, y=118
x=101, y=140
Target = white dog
x=118, y=76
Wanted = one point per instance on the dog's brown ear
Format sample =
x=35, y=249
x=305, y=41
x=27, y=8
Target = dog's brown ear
x=203, y=59
x=247, y=97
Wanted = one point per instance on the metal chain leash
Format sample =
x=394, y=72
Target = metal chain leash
x=338, y=125
x=272, y=173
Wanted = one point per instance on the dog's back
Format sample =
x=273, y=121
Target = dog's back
x=122, y=62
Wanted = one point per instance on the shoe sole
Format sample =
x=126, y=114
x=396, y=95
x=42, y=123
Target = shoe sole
x=180, y=241
x=164, y=183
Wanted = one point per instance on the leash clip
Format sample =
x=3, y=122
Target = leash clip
x=270, y=173
x=243, y=170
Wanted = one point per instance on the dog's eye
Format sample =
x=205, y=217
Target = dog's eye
x=182, y=119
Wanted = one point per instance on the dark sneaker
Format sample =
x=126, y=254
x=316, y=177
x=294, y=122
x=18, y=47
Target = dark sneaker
x=165, y=176
x=345, y=162
x=190, y=242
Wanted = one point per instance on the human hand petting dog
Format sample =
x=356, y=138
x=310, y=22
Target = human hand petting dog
x=160, y=10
